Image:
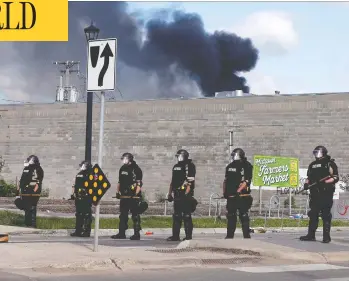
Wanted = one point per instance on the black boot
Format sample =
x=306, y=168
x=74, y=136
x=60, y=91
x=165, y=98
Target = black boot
x=231, y=226
x=136, y=227
x=78, y=225
x=176, y=228
x=122, y=227
x=86, y=227
x=313, y=224
x=119, y=236
x=27, y=218
x=245, y=225
x=188, y=227
x=326, y=231
x=33, y=216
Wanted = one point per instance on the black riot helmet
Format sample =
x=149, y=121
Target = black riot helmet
x=127, y=158
x=182, y=155
x=238, y=154
x=33, y=160
x=85, y=165
x=320, y=151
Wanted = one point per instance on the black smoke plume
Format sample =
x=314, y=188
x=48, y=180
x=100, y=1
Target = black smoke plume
x=166, y=55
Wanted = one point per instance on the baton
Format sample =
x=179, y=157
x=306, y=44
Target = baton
x=123, y=197
x=315, y=183
x=181, y=198
x=232, y=196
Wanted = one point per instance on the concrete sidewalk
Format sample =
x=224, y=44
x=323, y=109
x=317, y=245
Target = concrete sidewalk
x=70, y=256
x=195, y=253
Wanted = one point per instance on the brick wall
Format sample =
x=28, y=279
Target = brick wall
x=154, y=130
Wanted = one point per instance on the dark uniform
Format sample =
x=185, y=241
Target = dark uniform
x=30, y=186
x=182, y=186
x=83, y=202
x=236, y=189
x=130, y=183
x=321, y=193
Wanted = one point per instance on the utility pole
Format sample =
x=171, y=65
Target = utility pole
x=65, y=93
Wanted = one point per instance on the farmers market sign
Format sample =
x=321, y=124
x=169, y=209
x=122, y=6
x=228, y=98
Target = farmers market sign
x=275, y=171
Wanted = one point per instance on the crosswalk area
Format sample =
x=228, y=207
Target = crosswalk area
x=309, y=272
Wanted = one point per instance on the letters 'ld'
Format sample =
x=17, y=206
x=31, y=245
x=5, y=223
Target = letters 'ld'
x=7, y=12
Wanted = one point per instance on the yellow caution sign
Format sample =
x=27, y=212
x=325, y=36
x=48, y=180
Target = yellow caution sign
x=97, y=184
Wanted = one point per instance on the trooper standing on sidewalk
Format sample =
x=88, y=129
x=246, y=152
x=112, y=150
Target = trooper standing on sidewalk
x=322, y=176
x=182, y=193
x=129, y=191
x=236, y=189
x=30, y=186
x=83, y=202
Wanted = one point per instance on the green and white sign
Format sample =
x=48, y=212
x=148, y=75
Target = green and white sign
x=275, y=171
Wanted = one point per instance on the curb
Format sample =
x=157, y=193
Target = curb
x=162, y=231
x=108, y=232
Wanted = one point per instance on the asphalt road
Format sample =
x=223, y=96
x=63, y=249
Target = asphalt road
x=280, y=273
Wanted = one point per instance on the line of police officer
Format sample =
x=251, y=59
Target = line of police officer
x=321, y=178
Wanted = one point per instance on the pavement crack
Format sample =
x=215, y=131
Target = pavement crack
x=324, y=256
x=116, y=265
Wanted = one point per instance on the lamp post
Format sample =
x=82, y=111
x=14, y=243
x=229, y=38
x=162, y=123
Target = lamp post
x=91, y=33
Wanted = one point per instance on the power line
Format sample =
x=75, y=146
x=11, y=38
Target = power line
x=16, y=101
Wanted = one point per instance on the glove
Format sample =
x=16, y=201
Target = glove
x=170, y=198
x=118, y=195
x=306, y=186
x=72, y=197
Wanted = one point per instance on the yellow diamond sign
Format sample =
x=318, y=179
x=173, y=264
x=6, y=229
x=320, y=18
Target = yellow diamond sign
x=99, y=182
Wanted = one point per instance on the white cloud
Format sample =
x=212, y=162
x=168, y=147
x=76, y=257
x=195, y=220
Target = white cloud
x=272, y=32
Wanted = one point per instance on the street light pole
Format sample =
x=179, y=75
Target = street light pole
x=88, y=141
x=91, y=33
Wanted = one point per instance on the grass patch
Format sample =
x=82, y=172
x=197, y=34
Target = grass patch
x=14, y=219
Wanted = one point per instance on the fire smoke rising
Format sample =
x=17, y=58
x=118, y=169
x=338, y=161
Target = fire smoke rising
x=167, y=55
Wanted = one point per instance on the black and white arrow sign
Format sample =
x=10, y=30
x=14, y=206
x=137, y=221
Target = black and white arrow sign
x=101, y=65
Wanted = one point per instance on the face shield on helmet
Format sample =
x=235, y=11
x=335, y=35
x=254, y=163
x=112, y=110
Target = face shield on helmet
x=32, y=159
x=127, y=158
x=26, y=164
x=318, y=153
x=235, y=156
x=182, y=155
x=84, y=165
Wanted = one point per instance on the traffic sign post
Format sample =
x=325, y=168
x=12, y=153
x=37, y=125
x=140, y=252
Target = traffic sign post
x=101, y=67
x=101, y=76
x=97, y=185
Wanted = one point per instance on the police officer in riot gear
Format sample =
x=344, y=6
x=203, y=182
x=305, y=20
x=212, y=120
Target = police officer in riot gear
x=322, y=176
x=30, y=186
x=181, y=191
x=83, y=202
x=236, y=189
x=129, y=192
